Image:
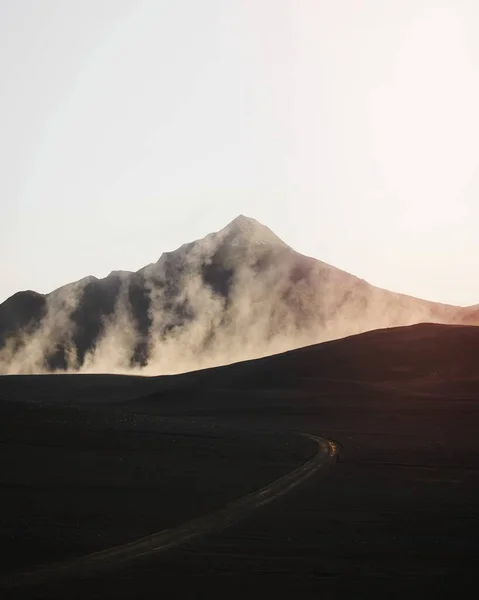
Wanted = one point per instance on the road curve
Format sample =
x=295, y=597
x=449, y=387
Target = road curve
x=169, y=538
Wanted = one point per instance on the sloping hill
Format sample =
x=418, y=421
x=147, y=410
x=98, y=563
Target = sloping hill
x=417, y=356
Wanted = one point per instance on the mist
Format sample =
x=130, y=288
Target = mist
x=238, y=294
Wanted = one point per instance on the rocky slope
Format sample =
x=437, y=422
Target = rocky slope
x=238, y=293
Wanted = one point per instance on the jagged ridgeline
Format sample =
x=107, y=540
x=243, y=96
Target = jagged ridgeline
x=236, y=294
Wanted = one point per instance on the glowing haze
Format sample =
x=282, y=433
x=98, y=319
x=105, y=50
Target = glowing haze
x=237, y=294
x=349, y=128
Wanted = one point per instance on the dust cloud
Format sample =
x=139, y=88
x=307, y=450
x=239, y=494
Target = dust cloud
x=237, y=294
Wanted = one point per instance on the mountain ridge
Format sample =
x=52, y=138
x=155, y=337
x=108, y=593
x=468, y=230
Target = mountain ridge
x=235, y=294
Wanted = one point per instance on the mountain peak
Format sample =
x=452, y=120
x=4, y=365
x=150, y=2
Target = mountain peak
x=250, y=230
x=244, y=220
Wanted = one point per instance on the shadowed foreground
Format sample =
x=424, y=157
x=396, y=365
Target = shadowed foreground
x=397, y=514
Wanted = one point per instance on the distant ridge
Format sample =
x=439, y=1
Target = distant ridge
x=236, y=294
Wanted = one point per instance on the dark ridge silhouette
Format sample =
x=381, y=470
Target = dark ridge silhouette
x=236, y=294
x=140, y=305
x=425, y=358
x=97, y=301
x=21, y=313
x=411, y=355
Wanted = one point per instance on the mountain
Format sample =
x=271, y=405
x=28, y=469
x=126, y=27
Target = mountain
x=236, y=294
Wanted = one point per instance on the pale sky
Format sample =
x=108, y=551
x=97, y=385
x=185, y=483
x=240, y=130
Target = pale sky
x=350, y=128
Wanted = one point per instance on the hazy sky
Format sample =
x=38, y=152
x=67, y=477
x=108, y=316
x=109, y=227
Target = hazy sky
x=350, y=128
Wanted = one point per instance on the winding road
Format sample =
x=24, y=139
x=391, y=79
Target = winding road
x=169, y=538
